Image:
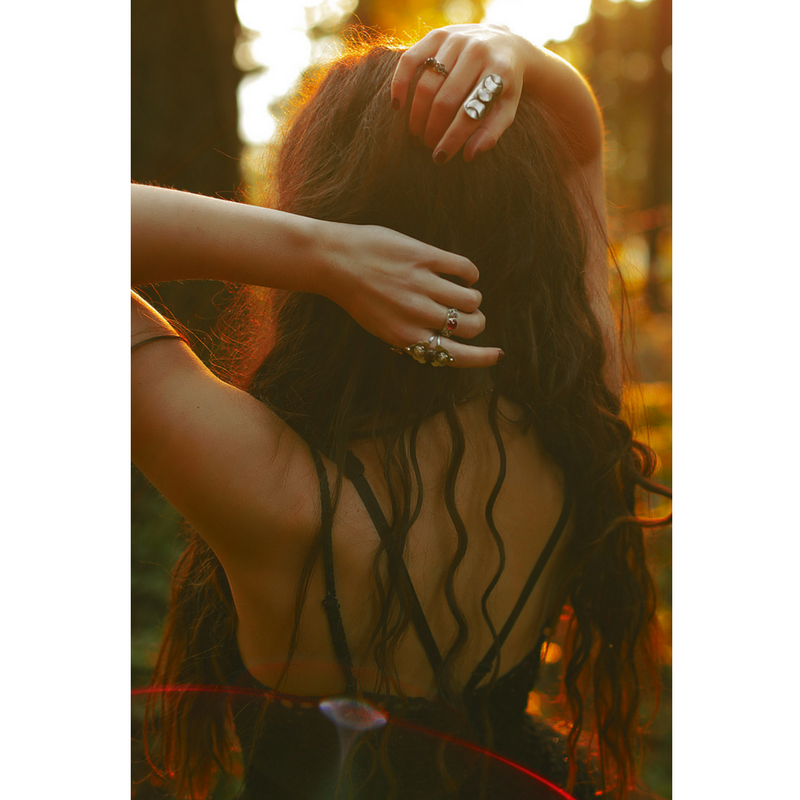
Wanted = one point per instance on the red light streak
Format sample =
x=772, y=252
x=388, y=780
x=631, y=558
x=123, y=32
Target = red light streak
x=557, y=792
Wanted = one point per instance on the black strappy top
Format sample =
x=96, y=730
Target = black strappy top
x=293, y=750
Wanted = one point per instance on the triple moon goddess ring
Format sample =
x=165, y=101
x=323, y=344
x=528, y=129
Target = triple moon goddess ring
x=430, y=352
x=436, y=66
x=482, y=96
x=451, y=323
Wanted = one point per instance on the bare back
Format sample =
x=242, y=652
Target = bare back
x=526, y=511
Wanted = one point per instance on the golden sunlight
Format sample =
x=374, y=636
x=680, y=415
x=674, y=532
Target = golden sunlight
x=277, y=41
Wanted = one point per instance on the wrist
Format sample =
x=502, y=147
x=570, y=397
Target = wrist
x=325, y=245
x=275, y=249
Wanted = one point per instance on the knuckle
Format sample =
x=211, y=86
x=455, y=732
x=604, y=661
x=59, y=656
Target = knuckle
x=446, y=101
x=471, y=302
x=426, y=87
x=502, y=65
x=505, y=115
x=471, y=271
x=477, y=47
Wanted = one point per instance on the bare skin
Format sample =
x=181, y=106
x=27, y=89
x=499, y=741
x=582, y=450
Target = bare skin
x=392, y=285
x=246, y=482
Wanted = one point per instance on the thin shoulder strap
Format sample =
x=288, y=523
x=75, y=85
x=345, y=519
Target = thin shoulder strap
x=331, y=603
x=485, y=664
x=354, y=470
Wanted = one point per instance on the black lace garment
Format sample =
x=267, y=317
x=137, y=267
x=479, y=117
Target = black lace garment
x=428, y=748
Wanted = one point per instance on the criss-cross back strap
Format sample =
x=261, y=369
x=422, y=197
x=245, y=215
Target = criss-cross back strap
x=485, y=664
x=331, y=603
x=354, y=470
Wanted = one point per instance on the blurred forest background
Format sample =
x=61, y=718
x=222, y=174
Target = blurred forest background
x=188, y=58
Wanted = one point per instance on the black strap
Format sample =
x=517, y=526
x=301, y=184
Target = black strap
x=330, y=602
x=485, y=664
x=354, y=470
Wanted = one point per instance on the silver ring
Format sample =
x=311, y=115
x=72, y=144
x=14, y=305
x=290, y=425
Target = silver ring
x=436, y=66
x=430, y=352
x=483, y=95
x=451, y=323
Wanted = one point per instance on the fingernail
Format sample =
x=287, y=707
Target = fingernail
x=396, y=103
x=440, y=156
x=500, y=356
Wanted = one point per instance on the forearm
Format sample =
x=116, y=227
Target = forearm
x=560, y=87
x=176, y=235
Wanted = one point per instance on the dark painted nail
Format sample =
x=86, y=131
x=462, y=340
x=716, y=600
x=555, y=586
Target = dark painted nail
x=440, y=156
x=396, y=103
x=500, y=356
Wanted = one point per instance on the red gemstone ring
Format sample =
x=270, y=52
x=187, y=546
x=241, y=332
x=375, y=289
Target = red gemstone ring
x=451, y=323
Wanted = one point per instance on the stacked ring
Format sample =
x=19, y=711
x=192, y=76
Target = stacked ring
x=482, y=96
x=451, y=323
x=424, y=353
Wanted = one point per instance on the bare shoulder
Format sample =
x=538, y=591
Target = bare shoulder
x=241, y=477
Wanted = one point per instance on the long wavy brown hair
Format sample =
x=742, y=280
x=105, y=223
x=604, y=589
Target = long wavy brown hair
x=346, y=156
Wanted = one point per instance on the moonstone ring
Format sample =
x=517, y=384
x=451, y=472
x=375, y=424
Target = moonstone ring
x=482, y=96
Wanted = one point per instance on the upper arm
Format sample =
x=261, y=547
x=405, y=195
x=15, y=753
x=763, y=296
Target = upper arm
x=241, y=477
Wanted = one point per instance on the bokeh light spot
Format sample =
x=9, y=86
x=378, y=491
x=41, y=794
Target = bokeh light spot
x=458, y=12
x=666, y=58
x=638, y=66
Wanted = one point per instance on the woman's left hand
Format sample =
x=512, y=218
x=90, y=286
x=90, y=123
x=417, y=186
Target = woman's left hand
x=469, y=53
x=400, y=289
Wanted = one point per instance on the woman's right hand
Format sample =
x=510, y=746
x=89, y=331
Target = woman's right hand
x=394, y=287
x=468, y=53
x=471, y=52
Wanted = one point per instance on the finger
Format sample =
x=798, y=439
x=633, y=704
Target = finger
x=408, y=64
x=486, y=131
x=458, y=267
x=463, y=325
x=485, y=138
x=446, y=106
x=464, y=356
x=467, y=356
x=451, y=295
x=428, y=87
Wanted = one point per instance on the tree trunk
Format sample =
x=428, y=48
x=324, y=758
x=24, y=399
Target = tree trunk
x=184, y=120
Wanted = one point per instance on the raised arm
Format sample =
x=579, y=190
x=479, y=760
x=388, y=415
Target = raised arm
x=237, y=472
x=391, y=284
x=468, y=53
x=471, y=52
